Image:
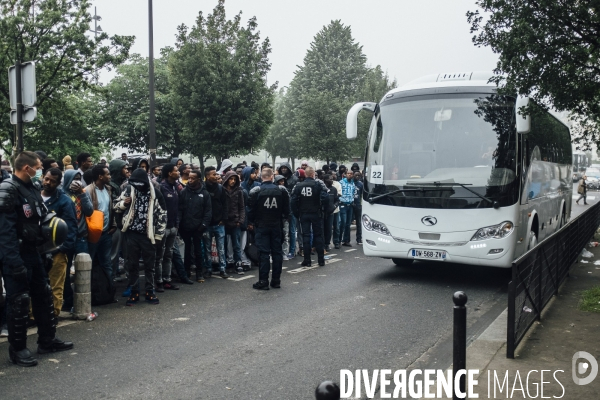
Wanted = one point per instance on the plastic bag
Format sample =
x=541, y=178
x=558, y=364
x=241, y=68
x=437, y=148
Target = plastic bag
x=586, y=254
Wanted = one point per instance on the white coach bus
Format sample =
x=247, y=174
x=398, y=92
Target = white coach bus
x=454, y=173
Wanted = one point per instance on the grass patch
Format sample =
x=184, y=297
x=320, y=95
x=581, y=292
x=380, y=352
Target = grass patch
x=590, y=300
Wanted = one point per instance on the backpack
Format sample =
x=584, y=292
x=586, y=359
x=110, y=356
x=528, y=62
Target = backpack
x=103, y=292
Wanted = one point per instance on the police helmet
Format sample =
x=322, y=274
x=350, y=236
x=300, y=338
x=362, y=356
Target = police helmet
x=54, y=232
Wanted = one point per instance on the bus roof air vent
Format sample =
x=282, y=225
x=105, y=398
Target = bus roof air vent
x=455, y=76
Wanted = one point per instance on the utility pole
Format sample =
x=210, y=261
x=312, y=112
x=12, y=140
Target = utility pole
x=19, y=98
x=152, y=121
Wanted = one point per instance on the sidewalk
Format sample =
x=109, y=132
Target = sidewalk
x=550, y=346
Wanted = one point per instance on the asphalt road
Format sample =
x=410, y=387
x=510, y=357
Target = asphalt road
x=224, y=340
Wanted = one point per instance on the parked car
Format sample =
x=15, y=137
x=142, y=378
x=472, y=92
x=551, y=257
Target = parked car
x=593, y=177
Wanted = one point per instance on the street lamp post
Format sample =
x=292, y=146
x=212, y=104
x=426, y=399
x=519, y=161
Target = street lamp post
x=97, y=29
x=151, y=122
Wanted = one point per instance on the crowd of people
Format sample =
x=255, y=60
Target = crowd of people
x=126, y=215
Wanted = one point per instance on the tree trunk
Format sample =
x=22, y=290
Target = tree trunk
x=273, y=163
x=293, y=164
x=201, y=161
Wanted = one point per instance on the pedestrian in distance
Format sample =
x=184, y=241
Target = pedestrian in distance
x=357, y=205
x=308, y=199
x=582, y=190
x=269, y=206
x=331, y=209
x=21, y=213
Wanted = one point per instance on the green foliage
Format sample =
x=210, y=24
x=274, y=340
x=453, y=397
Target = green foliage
x=279, y=142
x=219, y=73
x=54, y=34
x=590, y=300
x=548, y=50
x=126, y=107
x=323, y=91
x=334, y=77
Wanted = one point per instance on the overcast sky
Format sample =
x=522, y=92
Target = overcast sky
x=407, y=38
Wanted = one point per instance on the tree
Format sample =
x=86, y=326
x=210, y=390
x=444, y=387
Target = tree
x=219, y=72
x=80, y=134
x=54, y=33
x=323, y=91
x=375, y=85
x=126, y=108
x=280, y=140
x=549, y=50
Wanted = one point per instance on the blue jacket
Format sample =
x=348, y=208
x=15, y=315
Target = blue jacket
x=83, y=200
x=246, y=185
x=347, y=191
x=171, y=195
x=64, y=208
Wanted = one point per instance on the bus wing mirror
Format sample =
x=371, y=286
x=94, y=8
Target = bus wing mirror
x=523, y=122
x=352, y=118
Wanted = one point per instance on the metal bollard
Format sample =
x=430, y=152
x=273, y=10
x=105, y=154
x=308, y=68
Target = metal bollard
x=327, y=390
x=460, y=341
x=82, y=295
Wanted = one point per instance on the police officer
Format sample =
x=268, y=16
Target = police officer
x=21, y=212
x=269, y=206
x=308, y=198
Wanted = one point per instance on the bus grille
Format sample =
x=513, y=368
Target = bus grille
x=436, y=244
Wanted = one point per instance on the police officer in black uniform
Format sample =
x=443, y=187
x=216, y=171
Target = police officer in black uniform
x=269, y=206
x=308, y=199
x=22, y=211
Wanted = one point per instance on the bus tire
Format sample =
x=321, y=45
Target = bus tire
x=402, y=262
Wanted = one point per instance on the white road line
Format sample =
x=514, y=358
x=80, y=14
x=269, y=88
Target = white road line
x=348, y=251
x=241, y=279
x=302, y=269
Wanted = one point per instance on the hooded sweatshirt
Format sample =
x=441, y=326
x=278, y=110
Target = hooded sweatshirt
x=218, y=202
x=224, y=165
x=235, y=212
x=144, y=214
x=116, y=177
x=355, y=167
x=82, y=202
x=290, y=178
x=248, y=184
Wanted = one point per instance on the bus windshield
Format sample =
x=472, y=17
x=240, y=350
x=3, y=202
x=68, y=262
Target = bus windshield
x=443, y=151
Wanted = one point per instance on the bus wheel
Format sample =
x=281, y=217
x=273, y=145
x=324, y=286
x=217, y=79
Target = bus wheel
x=532, y=240
x=402, y=262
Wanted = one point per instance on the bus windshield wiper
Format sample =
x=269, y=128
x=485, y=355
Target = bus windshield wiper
x=371, y=200
x=463, y=185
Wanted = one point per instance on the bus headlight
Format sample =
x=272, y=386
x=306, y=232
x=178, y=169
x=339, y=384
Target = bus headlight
x=499, y=231
x=375, y=226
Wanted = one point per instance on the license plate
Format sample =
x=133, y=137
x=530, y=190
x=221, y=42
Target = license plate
x=428, y=254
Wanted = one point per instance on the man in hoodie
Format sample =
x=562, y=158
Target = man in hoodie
x=217, y=227
x=58, y=202
x=341, y=172
x=234, y=216
x=225, y=167
x=194, y=216
x=144, y=220
x=291, y=180
x=249, y=179
x=355, y=168
x=73, y=187
x=328, y=215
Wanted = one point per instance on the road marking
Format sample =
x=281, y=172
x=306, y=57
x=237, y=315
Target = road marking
x=302, y=269
x=241, y=279
x=348, y=251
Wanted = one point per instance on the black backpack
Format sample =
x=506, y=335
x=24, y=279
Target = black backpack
x=103, y=292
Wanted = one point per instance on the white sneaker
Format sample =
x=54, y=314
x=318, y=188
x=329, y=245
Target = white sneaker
x=72, y=271
x=285, y=258
x=4, y=332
